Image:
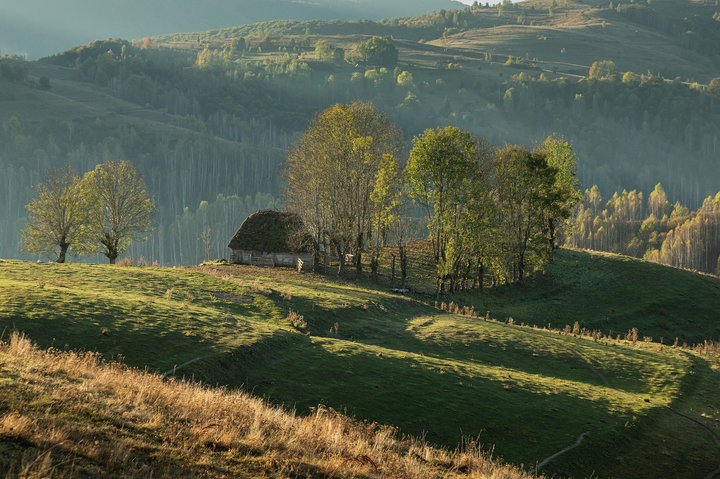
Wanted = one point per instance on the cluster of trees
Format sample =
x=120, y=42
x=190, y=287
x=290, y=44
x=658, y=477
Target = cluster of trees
x=655, y=230
x=13, y=69
x=377, y=51
x=488, y=209
x=182, y=167
x=629, y=130
x=105, y=210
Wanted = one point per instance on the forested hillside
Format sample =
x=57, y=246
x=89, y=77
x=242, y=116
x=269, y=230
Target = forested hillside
x=43, y=27
x=207, y=114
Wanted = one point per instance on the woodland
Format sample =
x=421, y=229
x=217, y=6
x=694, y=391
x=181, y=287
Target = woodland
x=215, y=113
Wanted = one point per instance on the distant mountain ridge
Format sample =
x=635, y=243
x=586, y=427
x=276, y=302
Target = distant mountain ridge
x=41, y=27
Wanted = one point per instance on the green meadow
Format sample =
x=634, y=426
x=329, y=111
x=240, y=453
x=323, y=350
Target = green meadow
x=524, y=391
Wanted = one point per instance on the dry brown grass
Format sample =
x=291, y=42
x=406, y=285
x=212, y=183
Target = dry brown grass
x=71, y=414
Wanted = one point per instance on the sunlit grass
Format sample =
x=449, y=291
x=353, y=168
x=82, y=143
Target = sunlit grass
x=523, y=391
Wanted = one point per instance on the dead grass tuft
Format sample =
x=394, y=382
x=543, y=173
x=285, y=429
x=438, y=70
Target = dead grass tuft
x=127, y=261
x=297, y=320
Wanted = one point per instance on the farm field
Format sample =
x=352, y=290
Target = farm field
x=523, y=392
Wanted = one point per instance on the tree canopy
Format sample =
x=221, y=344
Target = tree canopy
x=126, y=208
x=59, y=217
x=331, y=175
x=603, y=70
x=378, y=51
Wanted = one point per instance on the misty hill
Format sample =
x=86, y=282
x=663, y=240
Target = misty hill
x=44, y=27
x=206, y=114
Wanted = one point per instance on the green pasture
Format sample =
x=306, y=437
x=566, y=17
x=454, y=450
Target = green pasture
x=523, y=391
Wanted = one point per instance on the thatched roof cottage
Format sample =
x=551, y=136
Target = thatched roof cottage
x=272, y=238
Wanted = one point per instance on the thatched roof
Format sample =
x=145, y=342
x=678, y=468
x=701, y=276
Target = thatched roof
x=272, y=232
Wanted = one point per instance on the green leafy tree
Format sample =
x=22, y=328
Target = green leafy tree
x=238, y=45
x=139, y=88
x=630, y=78
x=387, y=202
x=338, y=55
x=323, y=51
x=714, y=87
x=565, y=192
x=126, y=208
x=405, y=80
x=44, y=83
x=525, y=198
x=378, y=51
x=60, y=217
x=441, y=163
x=331, y=175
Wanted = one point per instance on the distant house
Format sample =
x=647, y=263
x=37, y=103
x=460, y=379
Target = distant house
x=272, y=238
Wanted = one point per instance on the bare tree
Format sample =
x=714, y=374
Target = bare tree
x=206, y=239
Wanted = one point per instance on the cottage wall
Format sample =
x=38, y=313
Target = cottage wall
x=260, y=258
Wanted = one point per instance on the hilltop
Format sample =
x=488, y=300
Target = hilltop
x=304, y=340
x=39, y=28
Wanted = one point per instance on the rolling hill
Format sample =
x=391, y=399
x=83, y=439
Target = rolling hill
x=527, y=392
x=197, y=129
x=40, y=28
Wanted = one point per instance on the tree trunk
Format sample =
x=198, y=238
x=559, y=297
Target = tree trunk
x=358, y=255
x=480, y=275
x=327, y=253
x=374, y=263
x=341, y=259
x=403, y=266
x=521, y=268
x=392, y=273
x=111, y=248
x=63, y=251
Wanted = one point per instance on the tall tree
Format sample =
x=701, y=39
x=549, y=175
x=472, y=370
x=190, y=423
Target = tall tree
x=525, y=193
x=126, y=206
x=440, y=168
x=565, y=192
x=603, y=70
x=331, y=174
x=60, y=216
x=387, y=202
x=323, y=51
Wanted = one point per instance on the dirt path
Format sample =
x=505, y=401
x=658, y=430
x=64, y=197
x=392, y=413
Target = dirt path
x=548, y=459
x=172, y=371
x=594, y=369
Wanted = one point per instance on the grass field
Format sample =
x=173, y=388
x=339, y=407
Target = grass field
x=394, y=359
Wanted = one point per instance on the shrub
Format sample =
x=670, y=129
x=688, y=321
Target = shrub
x=128, y=261
x=297, y=320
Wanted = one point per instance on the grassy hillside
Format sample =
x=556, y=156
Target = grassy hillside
x=67, y=415
x=394, y=359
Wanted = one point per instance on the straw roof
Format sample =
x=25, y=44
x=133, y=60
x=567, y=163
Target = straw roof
x=273, y=232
